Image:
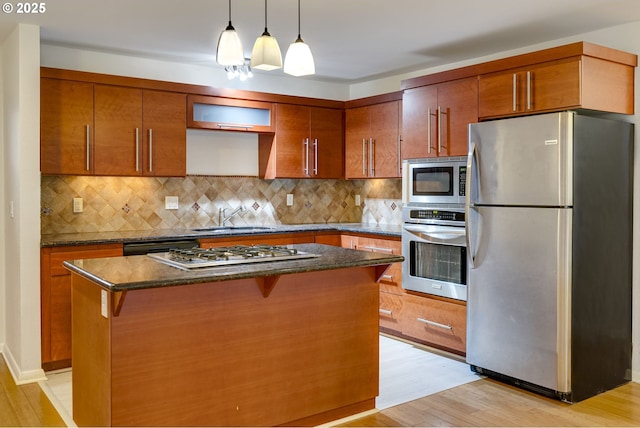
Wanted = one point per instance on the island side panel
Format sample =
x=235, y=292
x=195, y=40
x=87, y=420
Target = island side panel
x=91, y=356
x=222, y=354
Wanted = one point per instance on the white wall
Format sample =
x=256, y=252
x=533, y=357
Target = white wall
x=21, y=195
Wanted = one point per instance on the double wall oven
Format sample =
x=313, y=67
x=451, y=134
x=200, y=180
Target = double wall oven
x=433, y=229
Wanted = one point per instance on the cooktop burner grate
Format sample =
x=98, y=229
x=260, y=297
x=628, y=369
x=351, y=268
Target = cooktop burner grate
x=195, y=258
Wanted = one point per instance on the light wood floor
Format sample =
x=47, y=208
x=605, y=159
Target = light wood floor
x=490, y=403
x=24, y=405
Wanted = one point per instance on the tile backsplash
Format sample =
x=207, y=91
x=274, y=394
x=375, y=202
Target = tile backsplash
x=132, y=203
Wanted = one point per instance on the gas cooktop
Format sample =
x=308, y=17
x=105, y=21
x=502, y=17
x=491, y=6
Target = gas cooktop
x=198, y=258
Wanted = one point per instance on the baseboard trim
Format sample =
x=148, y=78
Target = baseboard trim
x=20, y=377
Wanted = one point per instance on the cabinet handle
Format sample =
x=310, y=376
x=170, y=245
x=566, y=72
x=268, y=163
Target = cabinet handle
x=364, y=157
x=429, y=130
x=388, y=277
x=379, y=249
x=386, y=312
x=315, y=156
x=399, y=155
x=305, y=167
x=232, y=126
x=150, y=150
x=515, y=92
x=88, y=136
x=434, y=324
x=137, y=149
x=528, y=90
x=372, y=159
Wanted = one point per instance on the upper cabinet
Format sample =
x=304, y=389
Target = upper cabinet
x=308, y=143
x=227, y=114
x=93, y=129
x=579, y=82
x=435, y=118
x=372, y=141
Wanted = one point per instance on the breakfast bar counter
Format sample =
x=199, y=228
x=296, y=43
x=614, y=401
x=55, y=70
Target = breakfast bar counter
x=292, y=342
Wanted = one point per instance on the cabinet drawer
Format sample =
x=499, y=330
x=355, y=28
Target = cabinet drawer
x=437, y=322
x=390, y=311
x=391, y=281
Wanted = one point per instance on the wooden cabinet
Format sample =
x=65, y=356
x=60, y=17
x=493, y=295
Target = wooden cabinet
x=92, y=129
x=227, y=114
x=66, y=126
x=55, y=300
x=580, y=82
x=435, y=118
x=308, y=143
x=441, y=323
x=372, y=141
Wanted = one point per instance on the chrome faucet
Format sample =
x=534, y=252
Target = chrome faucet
x=223, y=218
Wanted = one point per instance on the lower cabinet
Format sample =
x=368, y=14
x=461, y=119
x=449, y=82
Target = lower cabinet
x=55, y=299
x=435, y=322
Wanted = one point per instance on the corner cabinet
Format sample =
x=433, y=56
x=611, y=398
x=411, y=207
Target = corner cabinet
x=435, y=118
x=94, y=129
x=372, y=141
x=307, y=143
x=580, y=82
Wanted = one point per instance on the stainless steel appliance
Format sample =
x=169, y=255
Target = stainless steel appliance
x=434, y=250
x=198, y=258
x=434, y=181
x=549, y=229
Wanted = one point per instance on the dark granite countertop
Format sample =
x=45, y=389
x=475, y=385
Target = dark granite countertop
x=62, y=239
x=140, y=272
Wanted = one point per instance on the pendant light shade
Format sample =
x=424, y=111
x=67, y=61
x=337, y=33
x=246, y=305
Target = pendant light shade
x=229, y=50
x=266, y=53
x=299, y=60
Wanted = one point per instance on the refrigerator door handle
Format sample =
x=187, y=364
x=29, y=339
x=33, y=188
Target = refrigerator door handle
x=467, y=206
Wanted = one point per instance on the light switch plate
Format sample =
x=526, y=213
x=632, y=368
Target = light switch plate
x=289, y=199
x=171, y=202
x=357, y=200
x=77, y=205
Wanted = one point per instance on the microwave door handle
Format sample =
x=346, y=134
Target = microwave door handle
x=468, y=206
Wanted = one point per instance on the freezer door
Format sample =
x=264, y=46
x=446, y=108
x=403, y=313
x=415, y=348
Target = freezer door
x=525, y=161
x=518, y=303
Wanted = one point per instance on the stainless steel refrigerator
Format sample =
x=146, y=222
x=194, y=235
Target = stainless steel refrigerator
x=549, y=236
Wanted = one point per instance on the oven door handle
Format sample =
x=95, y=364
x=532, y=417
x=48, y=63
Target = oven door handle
x=436, y=237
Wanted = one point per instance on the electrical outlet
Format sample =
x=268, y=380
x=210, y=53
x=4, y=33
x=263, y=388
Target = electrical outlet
x=289, y=199
x=104, y=303
x=357, y=200
x=171, y=202
x=77, y=205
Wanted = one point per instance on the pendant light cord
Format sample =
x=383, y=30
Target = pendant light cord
x=265, y=15
x=229, y=12
x=298, y=20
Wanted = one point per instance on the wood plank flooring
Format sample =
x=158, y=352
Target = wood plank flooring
x=24, y=405
x=490, y=403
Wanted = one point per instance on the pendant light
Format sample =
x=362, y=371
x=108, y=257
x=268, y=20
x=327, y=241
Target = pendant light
x=266, y=53
x=229, y=50
x=299, y=61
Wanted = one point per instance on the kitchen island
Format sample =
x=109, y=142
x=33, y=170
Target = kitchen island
x=290, y=342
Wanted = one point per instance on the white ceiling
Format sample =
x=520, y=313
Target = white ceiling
x=351, y=40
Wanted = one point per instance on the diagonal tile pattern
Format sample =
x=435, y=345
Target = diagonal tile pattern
x=132, y=203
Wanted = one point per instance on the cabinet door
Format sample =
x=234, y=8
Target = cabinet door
x=66, y=127
x=457, y=108
x=500, y=94
x=164, y=118
x=326, y=143
x=358, y=132
x=554, y=86
x=391, y=311
x=385, y=132
x=418, y=123
x=292, y=141
x=118, y=134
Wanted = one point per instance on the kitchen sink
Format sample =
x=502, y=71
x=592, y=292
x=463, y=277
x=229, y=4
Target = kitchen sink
x=220, y=229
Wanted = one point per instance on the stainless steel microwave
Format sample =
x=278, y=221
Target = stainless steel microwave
x=434, y=181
